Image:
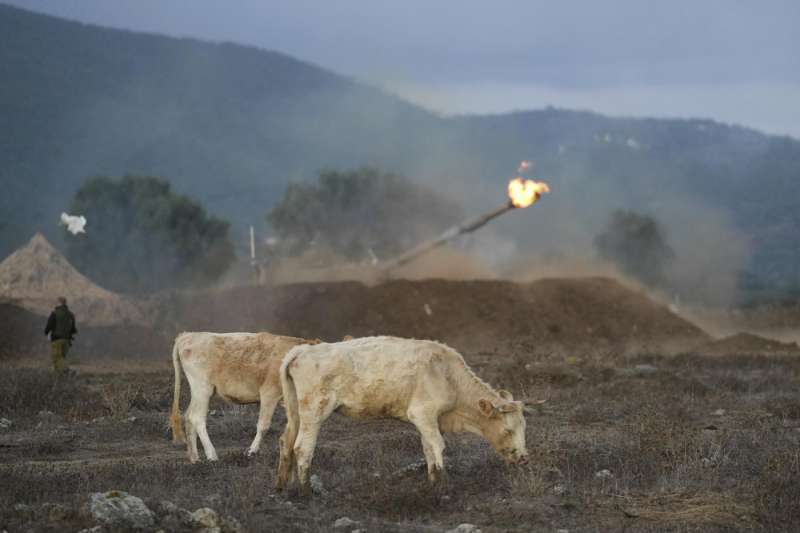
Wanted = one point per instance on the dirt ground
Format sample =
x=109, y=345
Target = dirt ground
x=633, y=437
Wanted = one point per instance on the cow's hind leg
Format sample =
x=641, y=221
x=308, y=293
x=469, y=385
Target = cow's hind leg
x=191, y=438
x=311, y=419
x=304, y=452
x=286, y=461
x=432, y=443
x=196, y=417
x=269, y=400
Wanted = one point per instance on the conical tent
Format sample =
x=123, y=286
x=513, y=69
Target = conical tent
x=36, y=274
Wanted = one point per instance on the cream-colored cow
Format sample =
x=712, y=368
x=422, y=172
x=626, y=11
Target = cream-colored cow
x=422, y=382
x=240, y=367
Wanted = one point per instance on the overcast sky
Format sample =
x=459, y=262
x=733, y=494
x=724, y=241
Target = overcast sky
x=737, y=61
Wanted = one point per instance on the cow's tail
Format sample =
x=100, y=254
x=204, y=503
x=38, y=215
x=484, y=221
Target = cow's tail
x=175, y=421
x=286, y=467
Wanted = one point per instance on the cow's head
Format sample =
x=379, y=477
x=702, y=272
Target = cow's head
x=504, y=427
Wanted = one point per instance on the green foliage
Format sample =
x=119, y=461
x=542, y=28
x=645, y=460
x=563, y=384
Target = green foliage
x=636, y=243
x=140, y=236
x=356, y=211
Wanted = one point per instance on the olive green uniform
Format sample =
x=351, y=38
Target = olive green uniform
x=61, y=328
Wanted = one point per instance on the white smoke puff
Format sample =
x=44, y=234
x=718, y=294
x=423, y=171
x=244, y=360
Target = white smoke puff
x=524, y=166
x=74, y=224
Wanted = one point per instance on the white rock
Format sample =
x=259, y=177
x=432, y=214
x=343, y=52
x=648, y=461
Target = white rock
x=604, y=474
x=344, y=522
x=5, y=423
x=465, y=528
x=719, y=412
x=316, y=484
x=205, y=517
x=120, y=510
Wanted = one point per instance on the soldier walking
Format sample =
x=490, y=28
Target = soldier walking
x=61, y=328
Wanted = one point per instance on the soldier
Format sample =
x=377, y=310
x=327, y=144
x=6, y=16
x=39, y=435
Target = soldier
x=61, y=327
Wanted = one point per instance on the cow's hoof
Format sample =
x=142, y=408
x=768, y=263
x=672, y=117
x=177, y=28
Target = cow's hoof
x=250, y=453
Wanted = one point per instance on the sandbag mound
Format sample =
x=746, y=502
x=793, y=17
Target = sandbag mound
x=748, y=344
x=36, y=274
x=474, y=316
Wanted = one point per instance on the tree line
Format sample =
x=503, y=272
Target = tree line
x=143, y=237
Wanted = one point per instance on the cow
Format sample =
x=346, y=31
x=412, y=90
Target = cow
x=422, y=382
x=241, y=367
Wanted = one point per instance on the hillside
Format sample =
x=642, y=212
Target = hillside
x=232, y=125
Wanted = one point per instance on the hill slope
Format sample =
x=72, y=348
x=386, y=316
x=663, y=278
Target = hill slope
x=231, y=125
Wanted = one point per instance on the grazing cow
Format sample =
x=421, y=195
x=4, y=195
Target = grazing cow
x=422, y=382
x=241, y=367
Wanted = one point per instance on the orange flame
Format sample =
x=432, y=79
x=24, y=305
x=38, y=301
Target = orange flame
x=523, y=193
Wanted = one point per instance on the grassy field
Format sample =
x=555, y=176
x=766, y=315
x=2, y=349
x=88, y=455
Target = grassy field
x=648, y=443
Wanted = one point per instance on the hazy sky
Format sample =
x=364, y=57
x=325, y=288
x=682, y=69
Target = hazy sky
x=736, y=61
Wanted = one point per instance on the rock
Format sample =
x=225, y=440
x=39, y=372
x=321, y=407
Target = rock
x=639, y=370
x=412, y=467
x=55, y=512
x=465, y=528
x=23, y=510
x=120, y=510
x=5, y=423
x=718, y=412
x=604, y=474
x=213, y=500
x=95, y=529
x=316, y=484
x=172, y=516
x=559, y=489
x=230, y=525
x=643, y=370
x=205, y=517
x=344, y=523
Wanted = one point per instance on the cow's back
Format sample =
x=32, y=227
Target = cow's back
x=372, y=376
x=238, y=365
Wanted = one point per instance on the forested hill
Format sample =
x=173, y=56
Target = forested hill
x=232, y=125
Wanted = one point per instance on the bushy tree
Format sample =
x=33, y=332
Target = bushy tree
x=636, y=243
x=358, y=211
x=141, y=236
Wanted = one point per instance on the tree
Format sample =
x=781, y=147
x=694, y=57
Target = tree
x=359, y=212
x=141, y=236
x=636, y=243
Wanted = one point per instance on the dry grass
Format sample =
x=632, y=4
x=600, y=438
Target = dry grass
x=699, y=444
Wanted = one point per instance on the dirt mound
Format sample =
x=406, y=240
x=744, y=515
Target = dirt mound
x=483, y=319
x=748, y=344
x=33, y=276
x=475, y=316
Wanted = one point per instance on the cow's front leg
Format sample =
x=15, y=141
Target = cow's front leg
x=432, y=443
x=269, y=400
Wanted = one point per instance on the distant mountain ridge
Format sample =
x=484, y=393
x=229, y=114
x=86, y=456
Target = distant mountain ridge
x=232, y=125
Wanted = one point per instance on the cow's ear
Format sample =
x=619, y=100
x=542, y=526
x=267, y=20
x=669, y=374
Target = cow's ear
x=504, y=394
x=486, y=407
